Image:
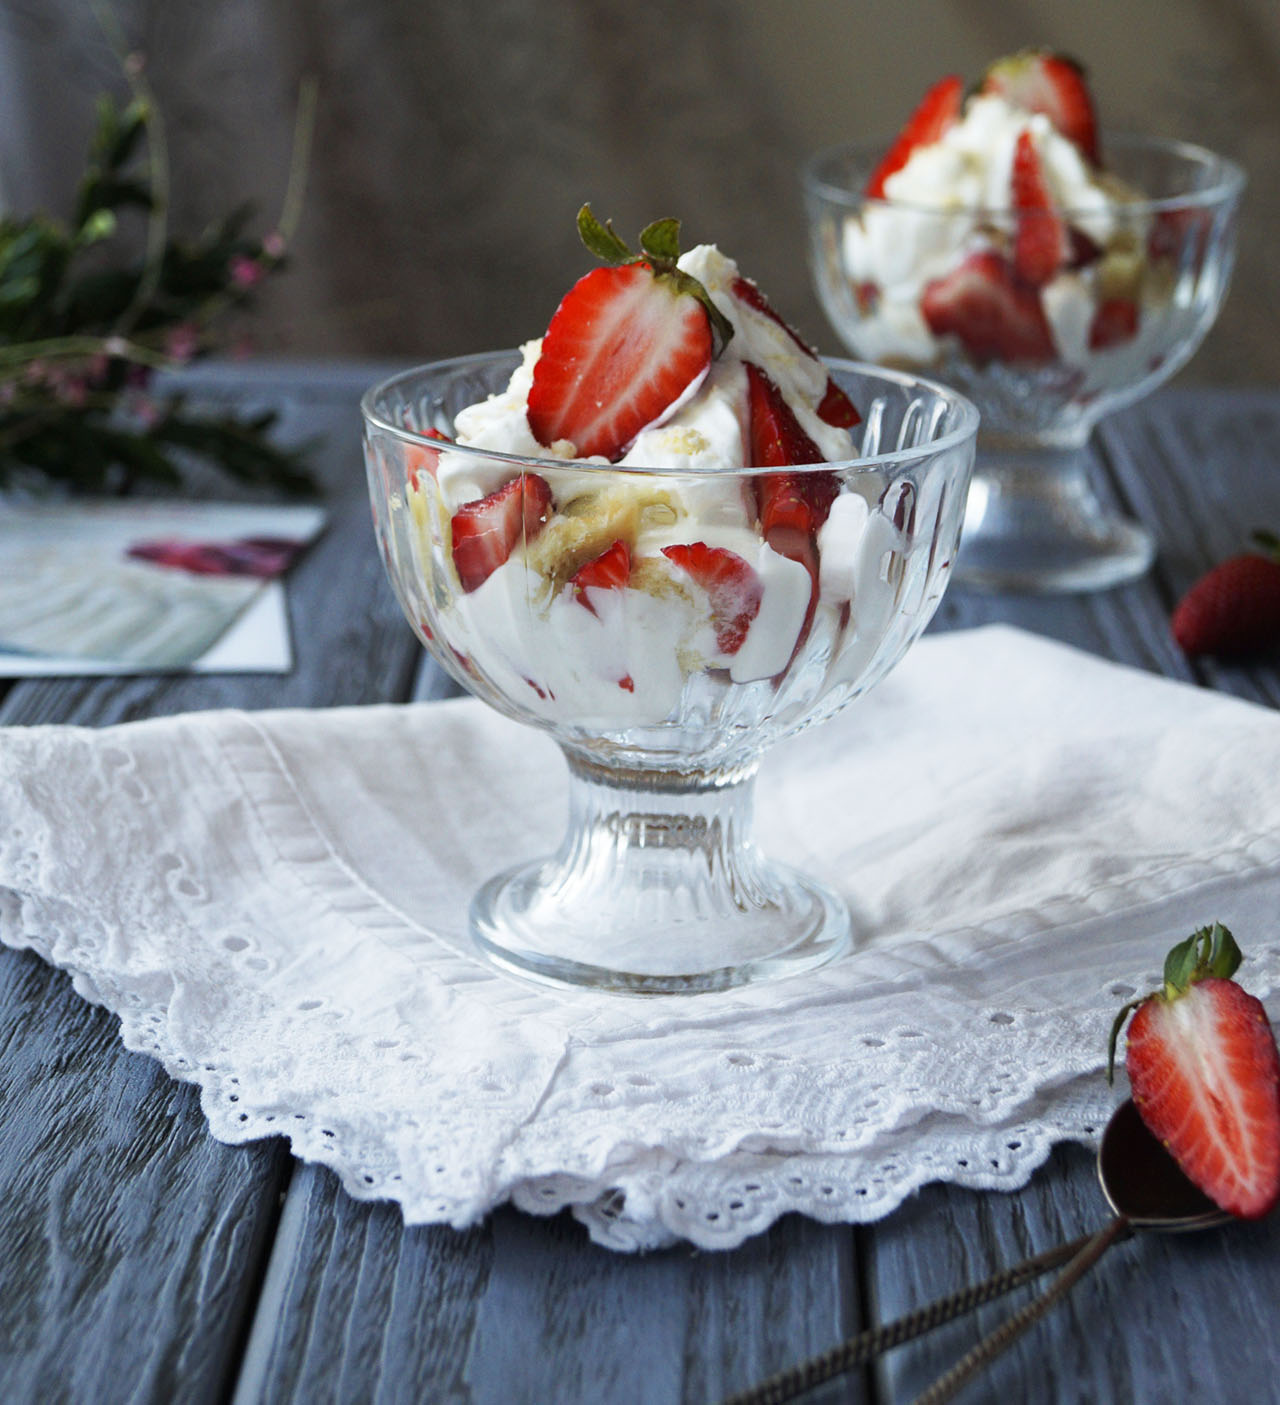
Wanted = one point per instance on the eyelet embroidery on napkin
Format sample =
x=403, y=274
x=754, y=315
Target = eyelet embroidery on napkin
x=642, y=1136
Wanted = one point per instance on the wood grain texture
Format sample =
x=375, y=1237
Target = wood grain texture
x=356, y=1307
x=138, y=1257
x=131, y=1243
x=1194, y=467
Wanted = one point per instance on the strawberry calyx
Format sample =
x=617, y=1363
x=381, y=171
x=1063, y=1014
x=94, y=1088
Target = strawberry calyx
x=1209, y=952
x=659, y=252
x=1268, y=543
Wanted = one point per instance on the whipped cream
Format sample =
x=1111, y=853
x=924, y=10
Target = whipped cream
x=952, y=199
x=622, y=657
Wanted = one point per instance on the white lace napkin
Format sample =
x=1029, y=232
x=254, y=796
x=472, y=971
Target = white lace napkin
x=275, y=905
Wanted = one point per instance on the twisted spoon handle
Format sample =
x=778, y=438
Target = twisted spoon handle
x=1013, y=1327
x=875, y=1341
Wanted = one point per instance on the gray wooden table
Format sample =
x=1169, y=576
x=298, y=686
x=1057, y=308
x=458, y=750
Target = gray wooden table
x=140, y=1260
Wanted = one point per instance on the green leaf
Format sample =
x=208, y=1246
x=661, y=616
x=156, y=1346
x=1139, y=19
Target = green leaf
x=600, y=239
x=1116, y=1027
x=661, y=239
x=1223, y=955
x=1181, y=963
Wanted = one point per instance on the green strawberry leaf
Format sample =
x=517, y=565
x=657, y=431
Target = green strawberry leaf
x=600, y=238
x=661, y=240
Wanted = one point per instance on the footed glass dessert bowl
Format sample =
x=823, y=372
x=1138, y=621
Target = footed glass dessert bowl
x=640, y=617
x=1048, y=312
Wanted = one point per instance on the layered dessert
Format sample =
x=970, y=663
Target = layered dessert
x=992, y=233
x=635, y=553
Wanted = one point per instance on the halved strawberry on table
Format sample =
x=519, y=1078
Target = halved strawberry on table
x=1205, y=1074
x=938, y=110
x=733, y=588
x=1042, y=81
x=486, y=531
x=994, y=314
x=627, y=342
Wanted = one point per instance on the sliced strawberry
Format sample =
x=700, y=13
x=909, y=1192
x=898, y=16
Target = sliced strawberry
x=835, y=407
x=733, y=589
x=1084, y=248
x=623, y=346
x=1205, y=1072
x=1040, y=81
x=775, y=439
x=486, y=531
x=995, y=316
x=1114, y=322
x=791, y=506
x=1173, y=231
x=748, y=290
x=609, y=571
x=419, y=460
x=938, y=110
x=1041, y=244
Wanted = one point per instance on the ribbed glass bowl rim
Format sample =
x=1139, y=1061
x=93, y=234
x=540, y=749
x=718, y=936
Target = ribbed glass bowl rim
x=966, y=427
x=1230, y=182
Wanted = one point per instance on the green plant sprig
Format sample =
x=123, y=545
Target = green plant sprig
x=85, y=323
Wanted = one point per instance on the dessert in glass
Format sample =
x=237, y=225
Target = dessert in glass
x=668, y=535
x=1000, y=245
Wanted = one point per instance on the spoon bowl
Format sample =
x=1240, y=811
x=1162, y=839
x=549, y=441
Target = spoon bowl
x=1144, y=1184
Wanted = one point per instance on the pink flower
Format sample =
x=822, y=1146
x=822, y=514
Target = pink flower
x=245, y=272
x=182, y=343
x=273, y=245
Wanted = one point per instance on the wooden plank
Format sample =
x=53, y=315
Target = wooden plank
x=130, y=1239
x=1161, y=1318
x=132, y=1243
x=1190, y=467
x=355, y=1306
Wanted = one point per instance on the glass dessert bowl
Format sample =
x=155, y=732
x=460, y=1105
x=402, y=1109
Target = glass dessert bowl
x=1001, y=256
x=644, y=619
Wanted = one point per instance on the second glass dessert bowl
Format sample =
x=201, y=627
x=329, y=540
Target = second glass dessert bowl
x=669, y=667
x=930, y=289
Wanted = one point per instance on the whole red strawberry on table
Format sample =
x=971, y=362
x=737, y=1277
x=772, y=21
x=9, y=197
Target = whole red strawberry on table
x=1233, y=610
x=1205, y=1073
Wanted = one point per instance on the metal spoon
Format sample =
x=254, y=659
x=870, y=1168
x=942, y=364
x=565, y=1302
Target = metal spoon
x=1146, y=1190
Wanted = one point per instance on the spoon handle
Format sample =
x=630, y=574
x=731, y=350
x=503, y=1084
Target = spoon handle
x=996, y=1342
x=875, y=1341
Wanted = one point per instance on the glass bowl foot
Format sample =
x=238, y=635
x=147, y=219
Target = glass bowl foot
x=518, y=923
x=658, y=889
x=1035, y=523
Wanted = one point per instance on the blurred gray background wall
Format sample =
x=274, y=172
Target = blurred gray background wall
x=455, y=141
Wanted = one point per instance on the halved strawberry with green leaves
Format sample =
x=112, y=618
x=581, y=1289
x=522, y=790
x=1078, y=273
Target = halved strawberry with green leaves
x=733, y=588
x=996, y=316
x=1042, y=81
x=626, y=342
x=937, y=111
x=1041, y=244
x=1205, y=1073
x=487, y=530
x=835, y=407
x=609, y=571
